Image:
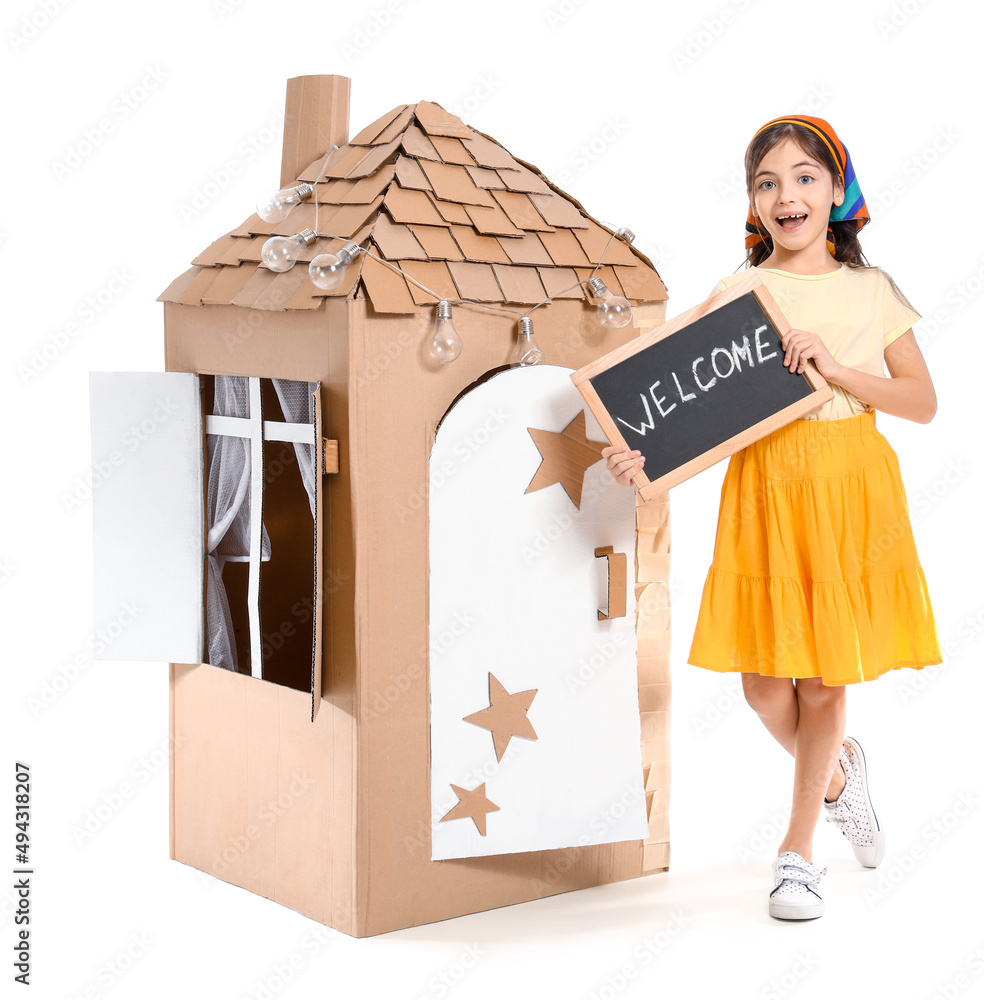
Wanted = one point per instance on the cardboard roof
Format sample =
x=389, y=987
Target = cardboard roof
x=446, y=203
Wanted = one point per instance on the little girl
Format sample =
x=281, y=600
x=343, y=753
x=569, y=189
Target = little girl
x=815, y=581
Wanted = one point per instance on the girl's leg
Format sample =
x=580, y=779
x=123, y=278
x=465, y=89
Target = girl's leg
x=776, y=702
x=819, y=734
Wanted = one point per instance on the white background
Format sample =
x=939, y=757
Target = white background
x=642, y=112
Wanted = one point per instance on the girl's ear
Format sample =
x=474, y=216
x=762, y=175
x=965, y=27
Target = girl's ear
x=838, y=192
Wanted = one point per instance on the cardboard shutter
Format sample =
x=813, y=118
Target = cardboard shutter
x=149, y=517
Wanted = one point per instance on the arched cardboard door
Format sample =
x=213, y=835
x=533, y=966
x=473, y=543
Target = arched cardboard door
x=535, y=732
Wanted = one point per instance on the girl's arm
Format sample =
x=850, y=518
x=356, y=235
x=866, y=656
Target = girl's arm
x=908, y=393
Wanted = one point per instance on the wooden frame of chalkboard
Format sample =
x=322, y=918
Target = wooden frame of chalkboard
x=743, y=393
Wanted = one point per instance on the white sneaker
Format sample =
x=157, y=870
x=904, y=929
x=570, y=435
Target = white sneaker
x=851, y=811
x=797, y=892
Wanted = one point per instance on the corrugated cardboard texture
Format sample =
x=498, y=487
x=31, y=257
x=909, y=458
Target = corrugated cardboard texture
x=239, y=744
x=653, y=637
x=398, y=882
x=444, y=201
x=315, y=119
x=363, y=827
x=351, y=847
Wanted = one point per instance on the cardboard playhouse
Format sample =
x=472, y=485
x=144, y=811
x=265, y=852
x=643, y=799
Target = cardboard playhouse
x=418, y=638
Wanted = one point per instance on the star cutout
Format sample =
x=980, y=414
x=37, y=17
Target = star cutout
x=506, y=715
x=565, y=457
x=471, y=803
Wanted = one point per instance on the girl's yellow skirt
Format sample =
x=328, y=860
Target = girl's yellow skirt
x=815, y=571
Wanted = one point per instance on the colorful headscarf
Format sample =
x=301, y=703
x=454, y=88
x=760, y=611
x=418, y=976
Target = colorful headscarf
x=853, y=206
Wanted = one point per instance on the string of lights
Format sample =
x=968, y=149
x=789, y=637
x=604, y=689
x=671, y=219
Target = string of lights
x=327, y=271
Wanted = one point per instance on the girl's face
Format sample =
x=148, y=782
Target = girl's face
x=791, y=197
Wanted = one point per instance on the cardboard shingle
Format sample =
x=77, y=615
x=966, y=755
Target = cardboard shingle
x=521, y=211
x=302, y=216
x=485, y=177
x=434, y=275
x=561, y=282
x=334, y=192
x=192, y=294
x=313, y=172
x=452, y=182
x=436, y=121
x=386, y=288
x=406, y=205
x=492, y=221
x=368, y=135
x=254, y=287
x=437, y=242
x=557, y=210
x=345, y=159
x=177, y=287
x=452, y=150
x=519, y=284
x=475, y=246
x=227, y=284
x=409, y=174
x=417, y=144
x=597, y=241
x=367, y=189
x=641, y=283
x=250, y=249
x=397, y=126
x=520, y=178
x=450, y=211
x=349, y=218
x=605, y=273
x=377, y=156
x=212, y=253
x=232, y=256
x=486, y=152
x=307, y=296
x=246, y=228
x=451, y=193
x=564, y=248
x=277, y=293
x=396, y=241
x=475, y=281
x=526, y=249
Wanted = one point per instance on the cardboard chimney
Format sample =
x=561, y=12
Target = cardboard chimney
x=418, y=639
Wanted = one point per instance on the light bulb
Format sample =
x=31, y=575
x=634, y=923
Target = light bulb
x=526, y=351
x=327, y=270
x=625, y=233
x=613, y=310
x=280, y=253
x=445, y=345
x=277, y=206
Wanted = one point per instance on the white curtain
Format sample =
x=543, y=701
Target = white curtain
x=297, y=401
x=229, y=498
x=228, y=516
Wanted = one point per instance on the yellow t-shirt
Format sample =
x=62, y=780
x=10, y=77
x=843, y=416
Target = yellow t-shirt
x=854, y=311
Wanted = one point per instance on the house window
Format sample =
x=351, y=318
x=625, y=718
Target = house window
x=261, y=502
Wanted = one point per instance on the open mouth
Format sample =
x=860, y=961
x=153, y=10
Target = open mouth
x=791, y=221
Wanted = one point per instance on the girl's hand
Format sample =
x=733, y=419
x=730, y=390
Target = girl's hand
x=622, y=463
x=800, y=345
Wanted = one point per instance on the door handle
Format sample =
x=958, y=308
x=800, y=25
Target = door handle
x=616, y=582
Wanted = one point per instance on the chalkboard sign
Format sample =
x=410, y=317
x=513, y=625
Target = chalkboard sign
x=700, y=387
